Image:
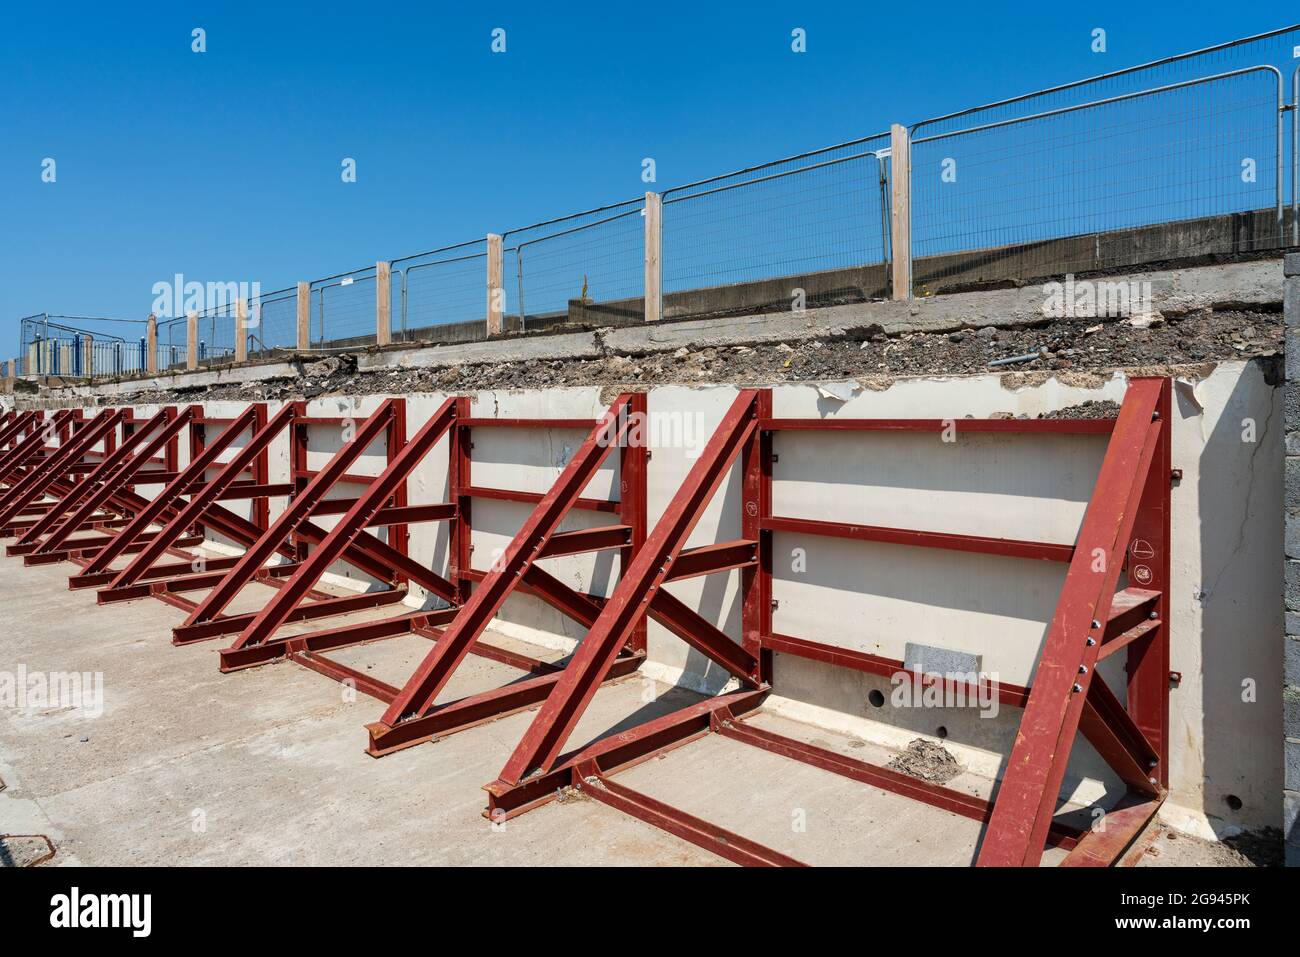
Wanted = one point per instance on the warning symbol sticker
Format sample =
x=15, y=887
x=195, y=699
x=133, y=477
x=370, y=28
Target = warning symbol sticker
x=1141, y=548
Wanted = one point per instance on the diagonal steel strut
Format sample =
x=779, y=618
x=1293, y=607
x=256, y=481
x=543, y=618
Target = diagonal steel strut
x=632, y=598
x=417, y=696
x=1027, y=796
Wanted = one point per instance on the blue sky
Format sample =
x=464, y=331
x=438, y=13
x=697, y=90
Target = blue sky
x=225, y=165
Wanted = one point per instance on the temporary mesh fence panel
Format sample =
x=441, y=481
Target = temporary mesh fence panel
x=273, y=322
x=216, y=331
x=1183, y=152
x=439, y=288
x=173, y=344
x=592, y=258
x=80, y=346
x=1073, y=177
x=1167, y=173
x=805, y=219
x=343, y=310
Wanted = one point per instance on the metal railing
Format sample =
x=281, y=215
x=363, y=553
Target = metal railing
x=1185, y=151
x=272, y=322
x=437, y=288
x=804, y=219
x=593, y=256
x=343, y=309
x=51, y=345
x=1178, y=157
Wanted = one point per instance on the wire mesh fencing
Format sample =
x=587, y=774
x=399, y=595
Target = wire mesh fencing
x=439, y=288
x=216, y=332
x=1185, y=152
x=273, y=322
x=173, y=344
x=803, y=228
x=1192, y=155
x=343, y=310
x=80, y=346
x=591, y=262
x=1197, y=139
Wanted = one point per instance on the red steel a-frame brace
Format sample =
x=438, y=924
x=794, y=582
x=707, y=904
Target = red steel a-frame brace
x=412, y=715
x=120, y=470
x=293, y=531
x=65, y=476
x=469, y=611
x=1130, y=502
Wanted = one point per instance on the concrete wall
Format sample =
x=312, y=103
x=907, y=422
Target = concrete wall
x=1291, y=519
x=1226, y=628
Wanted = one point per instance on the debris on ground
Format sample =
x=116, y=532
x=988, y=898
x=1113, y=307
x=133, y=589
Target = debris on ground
x=1077, y=348
x=1092, y=409
x=926, y=761
x=1170, y=848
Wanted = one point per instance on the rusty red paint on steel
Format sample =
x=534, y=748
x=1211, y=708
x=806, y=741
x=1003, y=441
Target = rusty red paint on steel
x=1027, y=797
x=588, y=780
x=1116, y=737
x=629, y=747
x=296, y=511
x=955, y=424
x=347, y=529
x=1148, y=566
x=1006, y=547
x=467, y=712
x=433, y=673
x=756, y=508
x=165, y=427
x=1103, y=847
x=1105, y=722
x=48, y=471
x=14, y=426
x=633, y=466
x=203, y=504
x=325, y=639
x=30, y=440
x=630, y=601
x=172, y=494
x=949, y=799
x=46, y=445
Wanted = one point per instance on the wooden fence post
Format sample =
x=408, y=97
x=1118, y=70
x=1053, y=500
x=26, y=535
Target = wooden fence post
x=191, y=340
x=304, y=315
x=241, y=330
x=654, y=245
x=900, y=213
x=151, y=345
x=383, y=304
x=495, y=290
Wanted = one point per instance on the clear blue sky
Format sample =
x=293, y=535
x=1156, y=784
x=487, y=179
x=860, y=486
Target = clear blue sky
x=225, y=165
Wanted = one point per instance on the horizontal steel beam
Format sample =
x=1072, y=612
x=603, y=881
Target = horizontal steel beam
x=588, y=780
x=657, y=736
x=959, y=425
x=474, y=710
x=1005, y=547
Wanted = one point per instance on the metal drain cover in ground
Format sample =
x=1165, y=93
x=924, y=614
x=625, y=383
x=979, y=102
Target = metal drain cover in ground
x=24, y=850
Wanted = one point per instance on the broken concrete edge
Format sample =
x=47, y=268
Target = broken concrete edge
x=1187, y=376
x=1251, y=285
x=1291, y=518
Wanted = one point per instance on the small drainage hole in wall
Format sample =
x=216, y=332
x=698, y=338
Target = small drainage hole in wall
x=876, y=698
x=941, y=732
x=1233, y=801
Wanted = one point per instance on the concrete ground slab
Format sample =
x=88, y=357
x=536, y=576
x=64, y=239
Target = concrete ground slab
x=267, y=766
